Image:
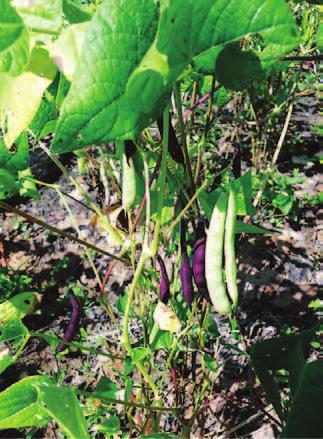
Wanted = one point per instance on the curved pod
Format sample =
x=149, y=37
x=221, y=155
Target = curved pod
x=214, y=257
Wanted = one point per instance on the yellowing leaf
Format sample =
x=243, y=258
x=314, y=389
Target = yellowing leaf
x=17, y=307
x=21, y=96
x=66, y=50
x=166, y=319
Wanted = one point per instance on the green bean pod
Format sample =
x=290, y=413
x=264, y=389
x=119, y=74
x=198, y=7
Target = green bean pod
x=129, y=189
x=214, y=257
x=230, y=266
x=133, y=185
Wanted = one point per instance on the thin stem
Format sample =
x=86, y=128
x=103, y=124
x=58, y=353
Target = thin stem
x=318, y=57
x=128, y=403
x=79, y=346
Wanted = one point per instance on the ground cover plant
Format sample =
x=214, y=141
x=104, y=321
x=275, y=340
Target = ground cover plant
x=158, y=240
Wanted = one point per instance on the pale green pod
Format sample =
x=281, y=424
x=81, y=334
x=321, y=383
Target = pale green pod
x=129, y=187
x=229, y=250
x=214, y=257
x=133, y=184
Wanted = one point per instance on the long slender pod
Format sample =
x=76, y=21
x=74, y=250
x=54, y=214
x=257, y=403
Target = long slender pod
x=214, y=257
x=73, y=323
x=230, y=265
x=198, y=260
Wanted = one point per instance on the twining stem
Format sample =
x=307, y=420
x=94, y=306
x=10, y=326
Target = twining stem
x=146, y=254
x=115, y=235
x=34, y=220
x=79, y=346
x=127, y=403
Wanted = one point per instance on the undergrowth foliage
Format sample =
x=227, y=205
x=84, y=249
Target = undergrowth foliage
x=126, y=81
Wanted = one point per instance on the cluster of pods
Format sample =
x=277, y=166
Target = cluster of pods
x=215, y=282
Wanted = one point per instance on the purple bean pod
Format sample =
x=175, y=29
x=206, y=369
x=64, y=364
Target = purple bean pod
x=164, y=281
x=73, y=324
x=185, y=271
x=198, y=260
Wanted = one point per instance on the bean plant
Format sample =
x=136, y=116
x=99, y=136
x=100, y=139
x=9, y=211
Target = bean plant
x=123, y=84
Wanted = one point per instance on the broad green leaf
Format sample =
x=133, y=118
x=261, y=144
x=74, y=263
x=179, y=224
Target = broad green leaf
x=66, y=50
x=41, y=16
x=235, y=69
x=6, y=360
x=74, y=13
x=14, y=41
x=8, y=185
x=34, y=400
x=46, y=113
x=27, y=188
x=20, y=407
x=305, y=416
x=62, y=405
x=210, y=362
x=106, y=389
x=283, y=202
x=139, y=353
x=21, y=96
x=271, y=19
x=162, y=340
x=243, y=187
x=20, y=160
x=221, y=97
x=111, y=426
x=12, y=330
x=11, y=327
x=14, y=170
x=286, y=352
x=97, y=96
x=124, y=80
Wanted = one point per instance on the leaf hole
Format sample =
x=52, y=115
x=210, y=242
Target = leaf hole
x=27, y=302
x=173, y=20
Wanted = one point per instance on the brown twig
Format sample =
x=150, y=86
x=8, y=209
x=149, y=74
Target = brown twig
x=32, y=219
x=318, y=57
